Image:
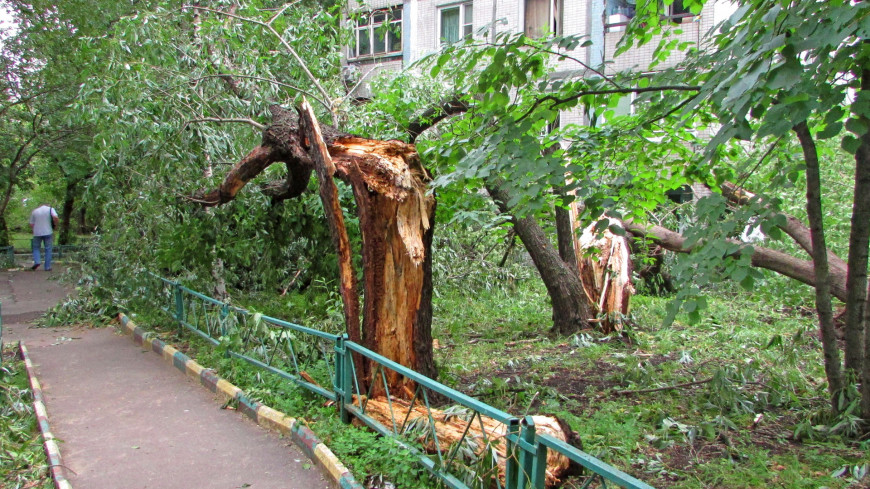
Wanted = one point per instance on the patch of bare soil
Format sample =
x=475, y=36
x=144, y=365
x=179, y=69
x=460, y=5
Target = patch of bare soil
x=580, y=385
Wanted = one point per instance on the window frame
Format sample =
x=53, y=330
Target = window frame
x=439, y=41
x=394, y=24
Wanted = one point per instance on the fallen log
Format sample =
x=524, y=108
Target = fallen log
x=483, y=437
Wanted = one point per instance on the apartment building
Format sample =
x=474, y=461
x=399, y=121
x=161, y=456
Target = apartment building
x=392, y=34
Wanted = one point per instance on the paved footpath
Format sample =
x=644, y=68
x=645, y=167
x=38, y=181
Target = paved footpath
x=126, y=420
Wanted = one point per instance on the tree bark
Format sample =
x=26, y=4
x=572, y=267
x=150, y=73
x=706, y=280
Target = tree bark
x=69, y=199
x=83, y=227
x=325, y=169
x=776, y=261
x=819, y=253
x=860, y=217
x=4, y=232
x=793, y=227
x=571, y=310
x=565, y=237
x=859, y=241
x=396, y=222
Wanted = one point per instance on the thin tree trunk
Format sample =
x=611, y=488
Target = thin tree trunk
x=861, y=216
x=820, y=263
x=4, y=232
x=69, y=200
x=83, y=226
x=859, y=240
x=325, y=168
x=565, y=237
x=571, y=310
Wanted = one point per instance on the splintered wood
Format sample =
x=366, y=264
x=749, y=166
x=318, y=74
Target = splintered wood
x=604, y=261
x=484, y=433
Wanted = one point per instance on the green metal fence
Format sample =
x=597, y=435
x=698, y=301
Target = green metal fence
x=495, y=449
x=8, y=253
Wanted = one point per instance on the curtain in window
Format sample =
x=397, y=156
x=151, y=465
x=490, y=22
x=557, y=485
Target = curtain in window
x=450, y=25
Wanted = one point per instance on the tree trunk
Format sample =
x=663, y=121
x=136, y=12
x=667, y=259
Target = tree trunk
x=861, y=234
x=83, y=226
x=606, y=278
x=480, y=433
x=565, y=237
x=859, y=239
x=571, y=310
x=69, y=200
x=820, y=263
x=396, y=218
x=4, y=232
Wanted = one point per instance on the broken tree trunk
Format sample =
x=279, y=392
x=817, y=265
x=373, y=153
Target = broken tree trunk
x=396, y=222
x=395, y=214
x=483, y=434
x=604, y=263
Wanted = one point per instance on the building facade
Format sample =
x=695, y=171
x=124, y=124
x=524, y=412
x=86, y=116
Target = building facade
x=392, y=34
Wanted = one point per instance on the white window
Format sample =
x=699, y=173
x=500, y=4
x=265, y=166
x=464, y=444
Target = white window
x=378, y=33
x=543, y=17
x=455, y=22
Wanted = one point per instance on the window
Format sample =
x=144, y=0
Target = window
x=617, y=13
x=455, y=22
x=677, y=13
x=378, y=32
x=543, y=17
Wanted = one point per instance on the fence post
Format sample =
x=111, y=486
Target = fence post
x=179, y=307
x=225, y=312
x=526, y=449
x=343, y=377
x=538, y=473
x=512, y=468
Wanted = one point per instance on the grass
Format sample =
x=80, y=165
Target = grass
x=752, y=373
x=22, y=460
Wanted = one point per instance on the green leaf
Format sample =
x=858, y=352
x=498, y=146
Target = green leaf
x=857, y=126
x=850, y=144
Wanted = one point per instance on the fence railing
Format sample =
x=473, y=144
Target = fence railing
x=8, y=253
x=478, y=446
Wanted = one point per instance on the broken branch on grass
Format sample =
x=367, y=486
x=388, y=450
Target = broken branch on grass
x=667, y=388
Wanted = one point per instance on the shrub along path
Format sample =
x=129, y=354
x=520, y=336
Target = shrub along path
x=124, y=419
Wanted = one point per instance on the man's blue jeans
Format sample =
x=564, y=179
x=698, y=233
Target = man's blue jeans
x=47, y=242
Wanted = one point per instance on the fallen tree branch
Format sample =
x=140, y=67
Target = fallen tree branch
x=770, y=259
x=224, y=121
x=667, y=388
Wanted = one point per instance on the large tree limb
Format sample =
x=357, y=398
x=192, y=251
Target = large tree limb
x=325, y=169
x=793, y=226
x=244, y=171
x=774, y=260
x=434, y=115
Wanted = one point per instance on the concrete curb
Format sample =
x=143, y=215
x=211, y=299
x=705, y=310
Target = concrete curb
x=263, y=415
x=52, y=452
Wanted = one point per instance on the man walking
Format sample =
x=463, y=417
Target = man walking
x=42, y=221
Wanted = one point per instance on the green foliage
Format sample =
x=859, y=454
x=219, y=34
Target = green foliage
x=22, y=459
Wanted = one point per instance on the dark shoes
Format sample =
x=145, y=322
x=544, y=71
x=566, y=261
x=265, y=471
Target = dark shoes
x=34, y=267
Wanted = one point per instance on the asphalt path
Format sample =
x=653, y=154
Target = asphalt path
x=125, y=419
